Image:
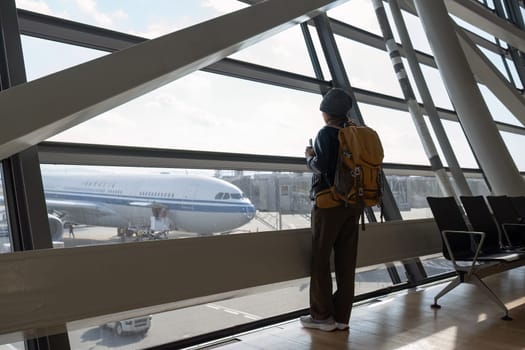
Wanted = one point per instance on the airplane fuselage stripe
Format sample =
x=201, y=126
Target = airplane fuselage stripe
x=171, y=203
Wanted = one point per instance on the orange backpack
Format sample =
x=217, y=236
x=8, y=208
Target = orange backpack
x=358, y=172
x=358, y=178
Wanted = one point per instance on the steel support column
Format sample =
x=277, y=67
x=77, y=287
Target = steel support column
x=413, y=107
x=428, y=102
x=311, y=51
x=28, y=217
x=27, y=213
x=479, y=127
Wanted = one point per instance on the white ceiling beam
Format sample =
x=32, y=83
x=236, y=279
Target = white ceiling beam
x=37, y=110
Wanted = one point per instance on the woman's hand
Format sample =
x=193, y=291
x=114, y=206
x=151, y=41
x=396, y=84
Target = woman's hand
x=309, y=152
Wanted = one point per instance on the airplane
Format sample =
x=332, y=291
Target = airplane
x=191, y=203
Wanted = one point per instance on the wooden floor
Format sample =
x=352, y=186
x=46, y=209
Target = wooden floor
x=468, y=319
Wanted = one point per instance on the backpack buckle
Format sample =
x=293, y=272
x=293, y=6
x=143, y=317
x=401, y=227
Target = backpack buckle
x=356, y=171
x=347, y=154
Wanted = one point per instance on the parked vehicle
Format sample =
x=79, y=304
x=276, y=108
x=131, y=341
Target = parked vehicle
x=130, y=325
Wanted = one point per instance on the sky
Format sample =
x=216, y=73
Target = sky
x=205, y=111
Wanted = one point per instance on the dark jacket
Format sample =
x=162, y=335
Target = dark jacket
x=324, y=162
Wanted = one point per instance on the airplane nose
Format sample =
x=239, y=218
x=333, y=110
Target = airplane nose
x=249, y=211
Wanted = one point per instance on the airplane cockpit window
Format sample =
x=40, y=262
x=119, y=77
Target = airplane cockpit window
x=225, y=195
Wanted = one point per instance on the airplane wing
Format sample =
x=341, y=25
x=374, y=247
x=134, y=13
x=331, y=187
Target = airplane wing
x=77, y=208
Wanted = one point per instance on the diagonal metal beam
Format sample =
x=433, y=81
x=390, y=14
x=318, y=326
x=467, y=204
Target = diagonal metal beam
x=74, y=95
x=408, y=6
x=476, y=14
x=491, y=77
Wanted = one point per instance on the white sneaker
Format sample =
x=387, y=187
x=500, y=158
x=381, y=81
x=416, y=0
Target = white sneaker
x=327, y=325
x=342, y=326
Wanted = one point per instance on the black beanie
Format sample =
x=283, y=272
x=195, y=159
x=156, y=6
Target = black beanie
x=336, y=103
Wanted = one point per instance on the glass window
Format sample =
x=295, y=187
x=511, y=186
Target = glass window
x=372, y=278
x=398, y=134
x=361, y=14
x=358, y=13
x=137, y=17
x=209, y=112
x=488, y=3
x=434, y=84
x=153, y=330
x=514, y=73
x=515, y=144
x=285, y=50
x=320, y=54
x=368, y=68
x=459, y=144
x=130, y=333
x=496, y=60
x=497, y=109
x=90, y=205
x=411, y=191
x=473, y=29
x=43, y=57
x=478, y=186
x=415, y=30
x=86, y=200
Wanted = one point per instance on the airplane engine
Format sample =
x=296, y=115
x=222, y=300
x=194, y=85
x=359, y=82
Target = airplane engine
x=56, y=226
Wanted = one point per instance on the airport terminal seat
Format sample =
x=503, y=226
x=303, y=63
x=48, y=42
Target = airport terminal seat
x=519, y=205
x=511, y=224
x=482, y=219
x=465, y=249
